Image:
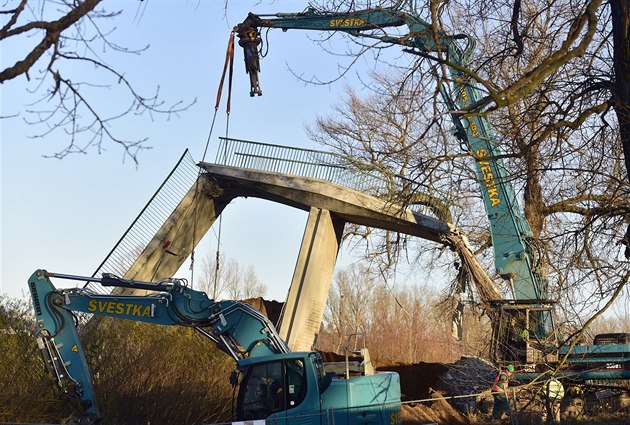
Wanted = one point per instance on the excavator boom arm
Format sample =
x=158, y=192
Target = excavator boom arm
x=515, y=258
x=236, y=328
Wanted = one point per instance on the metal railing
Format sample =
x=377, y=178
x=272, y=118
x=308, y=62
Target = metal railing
x=149, y=221
x=321, y=165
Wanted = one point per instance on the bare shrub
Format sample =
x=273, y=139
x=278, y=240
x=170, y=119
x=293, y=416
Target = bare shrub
x=27, y=392
x=412, y=316
x=145, y=373
x=142, y=373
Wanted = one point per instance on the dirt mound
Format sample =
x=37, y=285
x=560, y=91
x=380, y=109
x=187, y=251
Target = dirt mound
x=271, y=309
x=417, y=380
x=330, y=357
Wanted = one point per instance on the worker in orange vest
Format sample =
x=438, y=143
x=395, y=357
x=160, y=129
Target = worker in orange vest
x=499, y=392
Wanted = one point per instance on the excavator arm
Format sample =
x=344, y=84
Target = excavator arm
x=515, y=257
x=512, y=239
x=363, y=23
x=236, y=328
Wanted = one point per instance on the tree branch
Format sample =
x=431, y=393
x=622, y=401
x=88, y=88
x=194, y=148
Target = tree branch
x=53, y=32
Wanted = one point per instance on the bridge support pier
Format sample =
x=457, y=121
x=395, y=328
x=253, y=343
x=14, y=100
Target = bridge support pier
x=179, y=234
x=304, y=308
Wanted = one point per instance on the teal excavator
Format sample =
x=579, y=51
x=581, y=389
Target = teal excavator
x=523, y=326
x=274, y=384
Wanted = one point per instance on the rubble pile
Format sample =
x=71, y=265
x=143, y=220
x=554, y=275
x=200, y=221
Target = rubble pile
x=438, y=411
x=468, y=375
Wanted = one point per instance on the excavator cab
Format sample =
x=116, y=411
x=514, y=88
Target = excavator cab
x=272, y=387
x=296, y=388
x=281, y=386
x=524, y=333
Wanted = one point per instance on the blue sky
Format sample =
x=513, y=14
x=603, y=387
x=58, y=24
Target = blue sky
x=65, y=215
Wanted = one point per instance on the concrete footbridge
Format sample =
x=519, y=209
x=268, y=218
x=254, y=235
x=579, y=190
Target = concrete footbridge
x=297, y=178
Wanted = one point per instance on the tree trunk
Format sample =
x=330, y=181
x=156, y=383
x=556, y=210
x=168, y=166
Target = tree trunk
x=620, y=10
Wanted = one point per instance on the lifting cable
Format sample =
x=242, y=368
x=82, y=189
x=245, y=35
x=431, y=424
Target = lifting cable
x=229, y=61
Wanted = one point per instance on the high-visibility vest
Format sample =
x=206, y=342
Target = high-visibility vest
x=496, y=388
x=553, y=390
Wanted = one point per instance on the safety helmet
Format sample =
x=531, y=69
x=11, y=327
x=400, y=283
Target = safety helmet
x=510, y=368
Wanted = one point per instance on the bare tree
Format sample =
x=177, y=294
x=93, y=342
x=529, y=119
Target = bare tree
x=67, y=73
x=620, y=12
x=548, y=83
x=227, y=279
x=252, y=287
x=211, y=278
x=348, y=305
x=361, y=303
